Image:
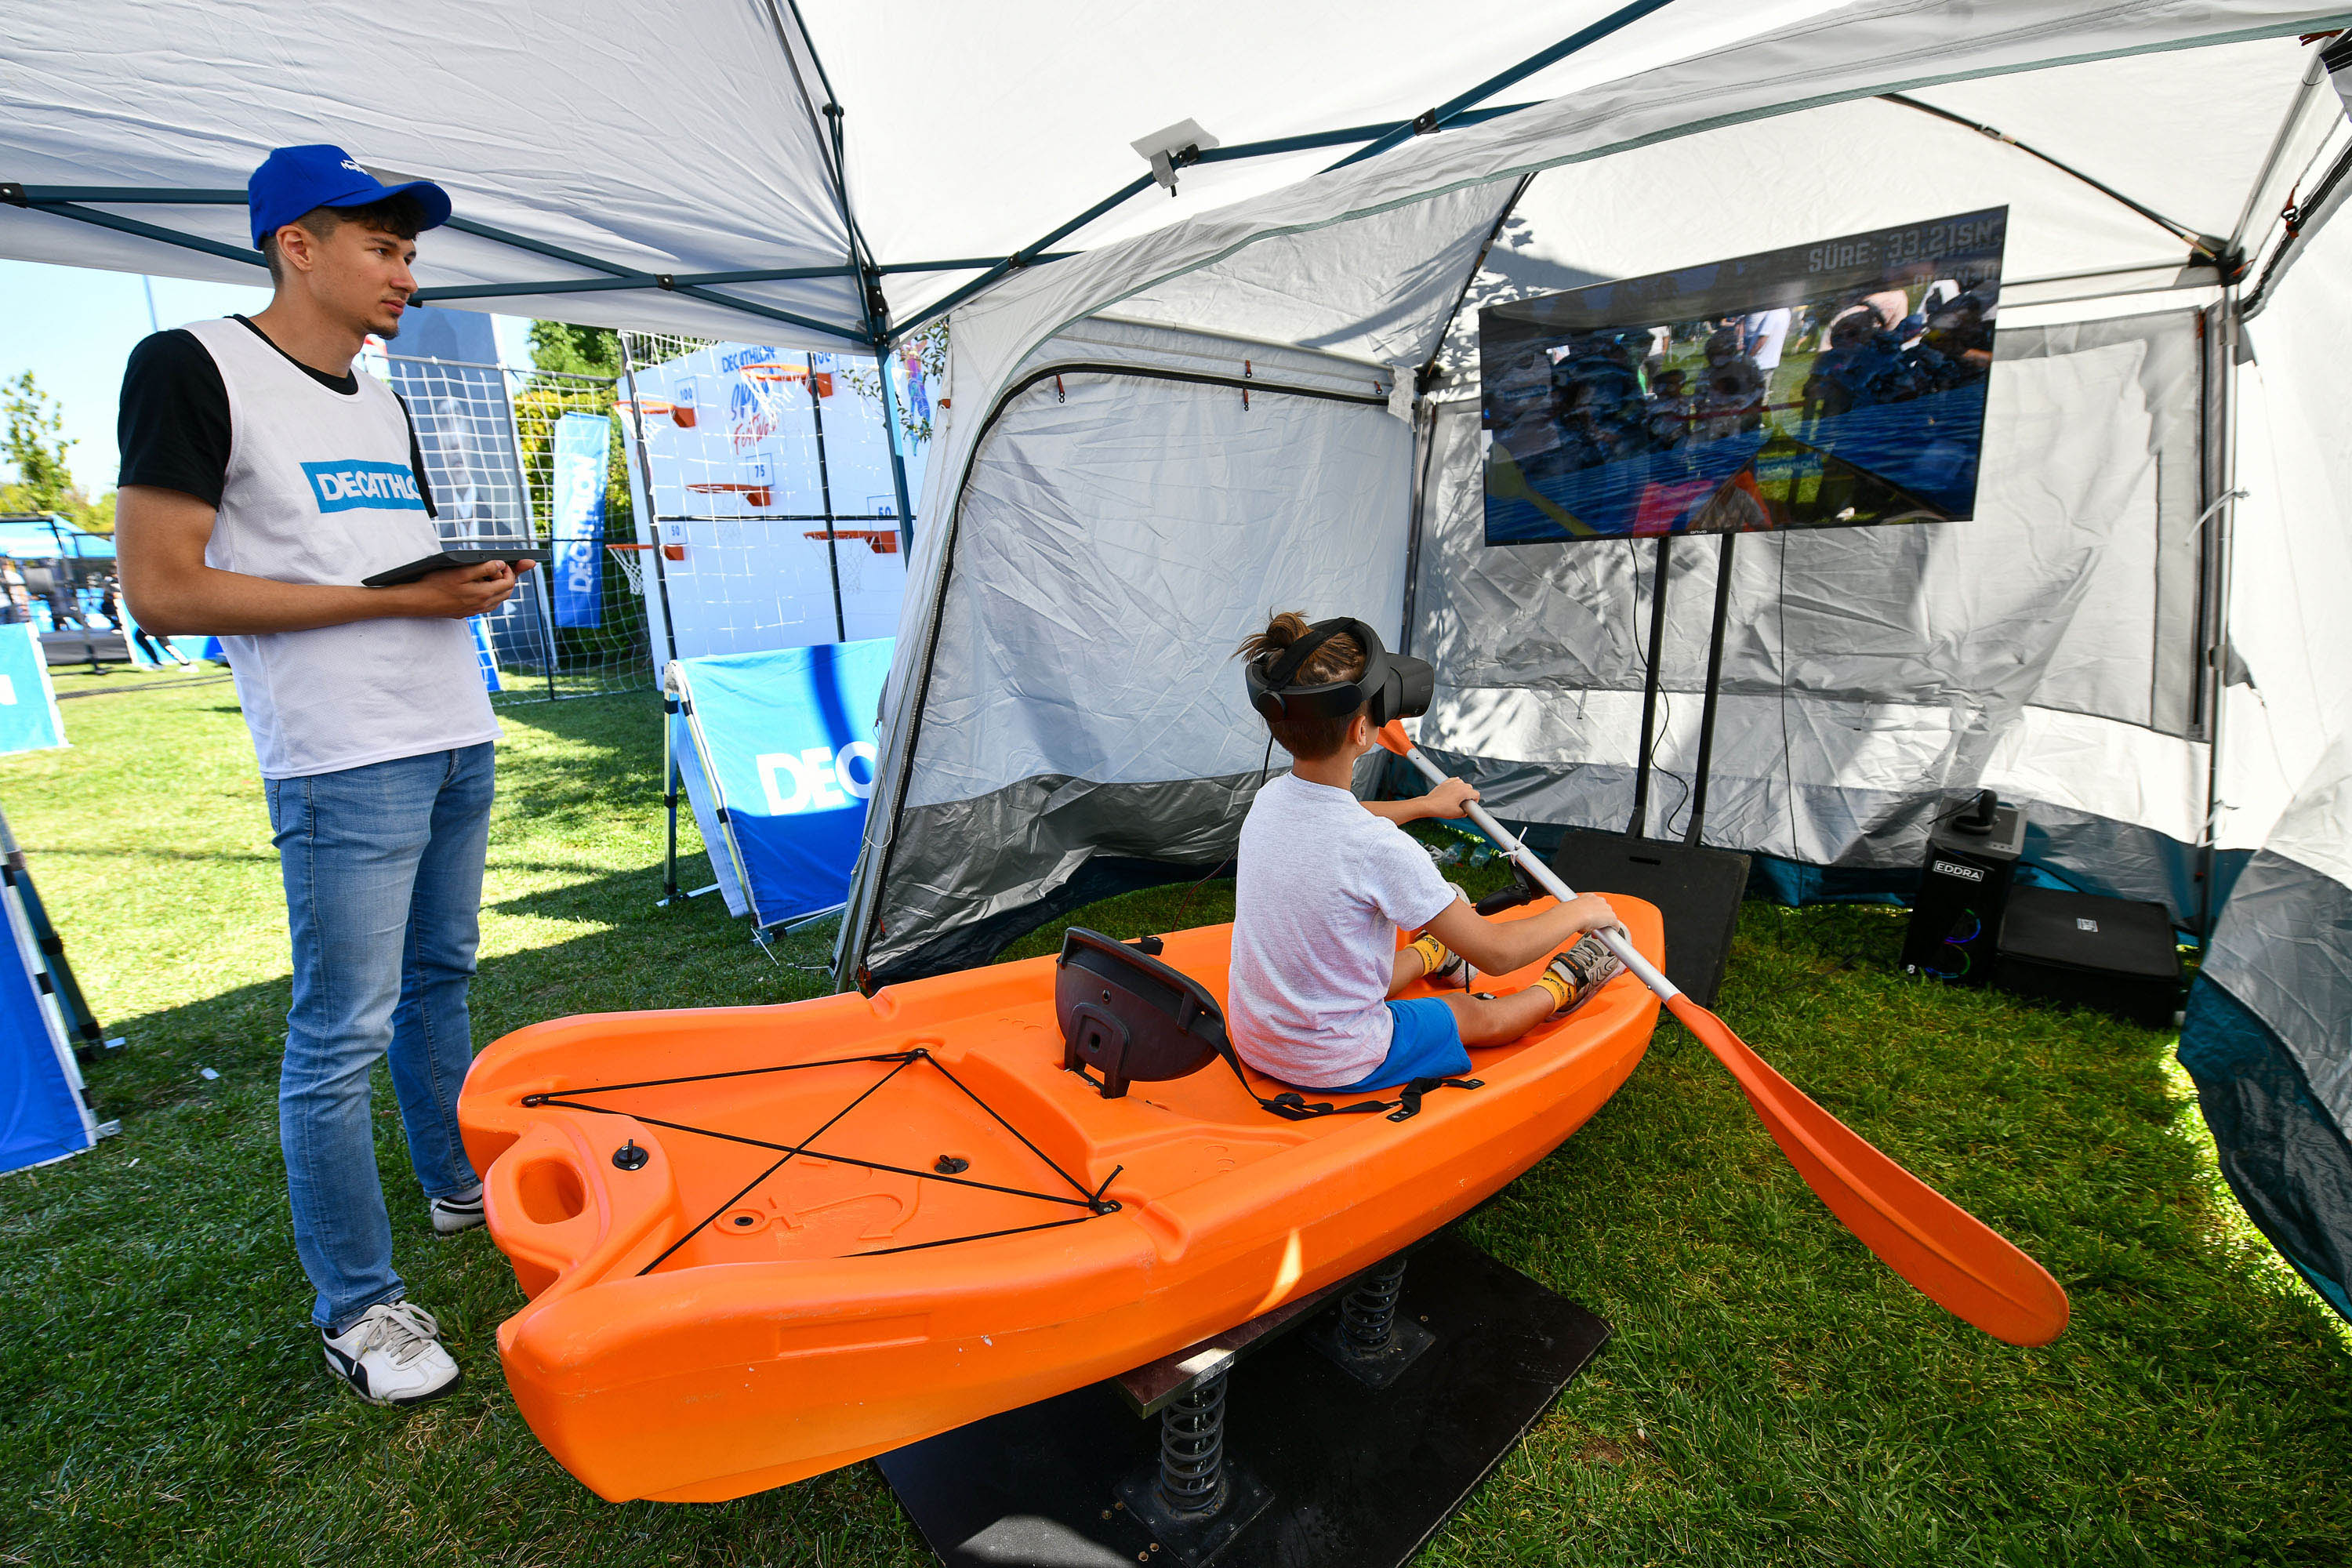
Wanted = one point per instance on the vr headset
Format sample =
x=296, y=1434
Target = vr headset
x=1392, y=686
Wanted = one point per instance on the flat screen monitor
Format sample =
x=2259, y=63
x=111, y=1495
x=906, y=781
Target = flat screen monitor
x=1833, y=384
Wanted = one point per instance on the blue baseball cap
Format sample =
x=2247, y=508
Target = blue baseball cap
x=293, y=180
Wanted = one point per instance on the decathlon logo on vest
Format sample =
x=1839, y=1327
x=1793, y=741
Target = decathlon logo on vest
x=820, y=781
x=342, y=486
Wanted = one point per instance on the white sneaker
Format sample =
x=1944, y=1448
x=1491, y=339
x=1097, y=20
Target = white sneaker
x=451, y=1215
x=393, y=1355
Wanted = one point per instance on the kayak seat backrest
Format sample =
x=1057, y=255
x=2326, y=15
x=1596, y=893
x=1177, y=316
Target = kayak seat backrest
x=1130, y=1016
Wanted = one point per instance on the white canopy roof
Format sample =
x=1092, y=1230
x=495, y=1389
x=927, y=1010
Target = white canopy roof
x=693, y=141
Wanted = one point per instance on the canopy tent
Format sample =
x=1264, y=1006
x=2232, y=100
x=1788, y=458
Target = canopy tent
x=1260, y=392
x=682, y=172
x=44, y=536
x=1275, y=404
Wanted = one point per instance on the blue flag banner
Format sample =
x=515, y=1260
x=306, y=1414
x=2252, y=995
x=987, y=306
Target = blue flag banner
x=778, y=755
x=578, y=531
x=42, y=1116
x=486, y=655
x=29, y=721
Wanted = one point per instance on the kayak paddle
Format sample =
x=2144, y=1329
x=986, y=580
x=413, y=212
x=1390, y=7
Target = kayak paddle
x=1955, y=1259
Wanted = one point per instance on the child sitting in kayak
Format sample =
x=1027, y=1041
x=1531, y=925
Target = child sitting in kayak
x=1324, y=883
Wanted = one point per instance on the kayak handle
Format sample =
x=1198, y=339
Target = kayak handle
x=557, y=1198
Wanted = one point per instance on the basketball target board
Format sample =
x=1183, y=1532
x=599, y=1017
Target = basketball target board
x=759, y=517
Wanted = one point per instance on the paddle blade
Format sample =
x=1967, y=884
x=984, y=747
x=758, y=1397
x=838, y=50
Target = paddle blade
x=1954, y=1259
x=1392, y=735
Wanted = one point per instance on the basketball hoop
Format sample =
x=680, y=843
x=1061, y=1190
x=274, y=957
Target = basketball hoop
x=881, y=541
x=753, y=494
x=633, y=564
x=756, y=408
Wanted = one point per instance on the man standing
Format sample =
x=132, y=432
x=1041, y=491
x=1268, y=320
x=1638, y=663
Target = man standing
x=263, y=478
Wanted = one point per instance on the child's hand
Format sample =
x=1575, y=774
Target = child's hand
x=1593, y=912
x=1449, y=799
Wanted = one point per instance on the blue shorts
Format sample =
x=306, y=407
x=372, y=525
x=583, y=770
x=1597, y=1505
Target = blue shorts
x=1427, y=1043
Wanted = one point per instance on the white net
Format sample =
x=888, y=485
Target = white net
x=488, y=434
x=774, y=515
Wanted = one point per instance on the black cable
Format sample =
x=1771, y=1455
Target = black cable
x=1666, y=716
x=1665, y=707
x=1788, y=771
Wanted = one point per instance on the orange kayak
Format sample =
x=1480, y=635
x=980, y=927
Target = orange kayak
x=760, y=1243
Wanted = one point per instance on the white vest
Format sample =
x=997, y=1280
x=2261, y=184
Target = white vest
x=319, y=491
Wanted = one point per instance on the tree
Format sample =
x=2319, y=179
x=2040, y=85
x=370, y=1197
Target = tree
x=927, y=348
x=35, y=444
x=561, y=347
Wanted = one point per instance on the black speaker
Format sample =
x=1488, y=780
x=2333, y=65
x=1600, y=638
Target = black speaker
x=2113, y=954
x=1963, y=891
x=1698, y=890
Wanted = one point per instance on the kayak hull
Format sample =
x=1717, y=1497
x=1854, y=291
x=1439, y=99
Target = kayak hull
x=841, y=1225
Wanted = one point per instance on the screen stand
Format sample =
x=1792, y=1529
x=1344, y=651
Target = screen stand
x=1724, y=548
x=1696, y=889
x=1640, y=819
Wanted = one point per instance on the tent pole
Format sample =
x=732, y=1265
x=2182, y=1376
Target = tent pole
x=1638, y=826
x=1422, y=401
x=876, y=305
x=653, y=507
x=1422, y=383
x=669, y=796
x=824, y=491
x=547, y=624
x=1447, y=113
x=2224, y=433
x=2205, y=244
x=2314, y=74
x=1713, y=685
x=897, y=447
x=1029, y=253
x=1426, y=428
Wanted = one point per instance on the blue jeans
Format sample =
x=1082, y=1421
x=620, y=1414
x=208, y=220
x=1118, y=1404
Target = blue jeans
x=384, y=893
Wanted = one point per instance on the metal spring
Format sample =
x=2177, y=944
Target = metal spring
x=1368, y=1312
x=1192, y=1447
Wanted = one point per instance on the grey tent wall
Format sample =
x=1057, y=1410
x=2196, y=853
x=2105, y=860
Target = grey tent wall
x=977, y=845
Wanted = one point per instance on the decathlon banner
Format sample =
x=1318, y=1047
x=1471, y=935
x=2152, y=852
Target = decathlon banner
x=29, y=721
x=777, y=751
x=577, y=531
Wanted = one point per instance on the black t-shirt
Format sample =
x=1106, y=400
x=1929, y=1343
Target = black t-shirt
x=174, y=426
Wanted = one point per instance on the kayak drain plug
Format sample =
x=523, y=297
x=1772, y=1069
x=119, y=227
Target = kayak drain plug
x=629, y=1157
x=949, y=1165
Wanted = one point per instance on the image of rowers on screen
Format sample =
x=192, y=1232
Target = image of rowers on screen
x=1798, y=394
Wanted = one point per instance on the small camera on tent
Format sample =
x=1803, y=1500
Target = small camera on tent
x=1172, y=149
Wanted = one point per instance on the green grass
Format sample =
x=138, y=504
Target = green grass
x=1773, y=1395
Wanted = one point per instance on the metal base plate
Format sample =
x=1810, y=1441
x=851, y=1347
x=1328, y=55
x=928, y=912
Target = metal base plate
x=1195, y=1540
x=1374, y=1369
x=1360, y=1477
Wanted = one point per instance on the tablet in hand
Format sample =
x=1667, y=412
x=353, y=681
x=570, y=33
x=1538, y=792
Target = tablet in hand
x=442, y=560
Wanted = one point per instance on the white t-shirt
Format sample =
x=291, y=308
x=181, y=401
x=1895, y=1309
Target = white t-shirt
x=318, y=490
x=1767, y=331
x=1321, y=889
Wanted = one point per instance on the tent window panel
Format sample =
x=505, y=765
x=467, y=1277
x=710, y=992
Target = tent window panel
x=2132, y=654
x=1118, y=537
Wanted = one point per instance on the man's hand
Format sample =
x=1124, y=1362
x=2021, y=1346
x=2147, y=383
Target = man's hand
x=160, y=537
x=457, y=593
x=1450, y=799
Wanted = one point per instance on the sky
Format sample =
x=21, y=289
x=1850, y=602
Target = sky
x=73, y=328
